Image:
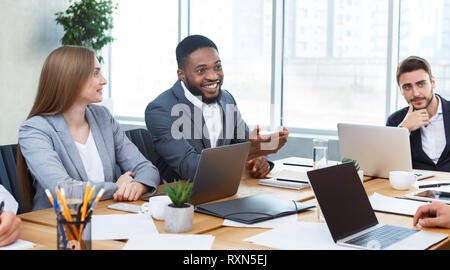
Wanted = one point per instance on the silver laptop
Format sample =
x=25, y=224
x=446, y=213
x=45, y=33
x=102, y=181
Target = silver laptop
x=378, y=149
x=350, y=217
x=219, y=172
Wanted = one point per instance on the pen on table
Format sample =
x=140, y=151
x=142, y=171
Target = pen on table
x=295, y=164
x=292, y=180
x=434, y=185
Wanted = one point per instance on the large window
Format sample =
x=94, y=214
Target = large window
x=143, y=62
x=425, y=32
x=336, y=62
x=242, y=31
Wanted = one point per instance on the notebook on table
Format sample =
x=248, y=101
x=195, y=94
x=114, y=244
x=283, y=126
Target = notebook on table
x=253, y=209
x=350, y=217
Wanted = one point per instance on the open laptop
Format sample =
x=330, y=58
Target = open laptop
x=378, y=149
x=350, y=217
x=219, y=172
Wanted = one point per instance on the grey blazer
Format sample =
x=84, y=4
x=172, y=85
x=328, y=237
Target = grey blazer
x=171, y=113
x=52, y=156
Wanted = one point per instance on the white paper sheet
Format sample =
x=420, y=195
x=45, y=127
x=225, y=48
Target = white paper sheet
x=297, y=236
x=272, y=223
x=121, y=226
x=170, y=242
x=18, y=245
x=394, y=205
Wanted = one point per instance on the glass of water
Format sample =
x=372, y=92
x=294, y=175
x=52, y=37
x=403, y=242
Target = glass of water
x=320, y=153
x=320, y=160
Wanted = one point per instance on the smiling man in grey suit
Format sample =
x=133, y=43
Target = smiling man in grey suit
x=196, y=114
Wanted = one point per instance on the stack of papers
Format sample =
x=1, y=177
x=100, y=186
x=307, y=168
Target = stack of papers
x=297, y=236
x=170, y=242
x=272, y=223
x=394, y=205
x=18, y=245
x=284, y=183
x=121, y=226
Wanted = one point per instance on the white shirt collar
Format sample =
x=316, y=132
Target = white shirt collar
x=195, y=100
x=439, y=109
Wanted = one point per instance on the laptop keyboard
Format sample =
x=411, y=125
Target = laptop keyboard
x=382, y=237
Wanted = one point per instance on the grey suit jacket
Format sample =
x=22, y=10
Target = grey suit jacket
x=52, y=156
x=176, y=126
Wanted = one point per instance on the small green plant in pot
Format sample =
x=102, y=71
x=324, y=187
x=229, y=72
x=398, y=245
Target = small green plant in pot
x=358, y=169
x=179, y=214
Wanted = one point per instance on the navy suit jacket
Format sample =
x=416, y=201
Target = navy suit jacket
x=420, y=160
x=179, y=136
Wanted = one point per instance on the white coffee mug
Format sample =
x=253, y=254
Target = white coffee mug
x=156, y=207
x=402, y=180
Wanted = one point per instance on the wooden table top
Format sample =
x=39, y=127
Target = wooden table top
x=40, y=226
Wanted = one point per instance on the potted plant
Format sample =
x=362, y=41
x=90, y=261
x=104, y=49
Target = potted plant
x=86, y=23
x=179, y=214
x=358, y=169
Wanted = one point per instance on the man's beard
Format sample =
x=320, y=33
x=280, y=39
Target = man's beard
x=428, y=102
x=197, y=92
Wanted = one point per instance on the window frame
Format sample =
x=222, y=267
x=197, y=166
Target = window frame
x=277, y=62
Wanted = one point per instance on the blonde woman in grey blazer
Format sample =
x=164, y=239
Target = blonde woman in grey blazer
x=63, y=118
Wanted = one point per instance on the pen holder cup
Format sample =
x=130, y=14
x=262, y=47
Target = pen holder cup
x=74, y=235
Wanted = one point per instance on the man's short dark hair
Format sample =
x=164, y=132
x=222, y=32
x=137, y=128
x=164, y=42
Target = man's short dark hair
x=191, y=44
x=413, y=63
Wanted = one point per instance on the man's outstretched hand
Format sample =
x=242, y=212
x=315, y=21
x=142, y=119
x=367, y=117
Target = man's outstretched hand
x=265, y=144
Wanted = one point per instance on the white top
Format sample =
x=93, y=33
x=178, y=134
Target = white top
x=433, y=136
x=8, y=199
x=212, y=113
x=91, y=160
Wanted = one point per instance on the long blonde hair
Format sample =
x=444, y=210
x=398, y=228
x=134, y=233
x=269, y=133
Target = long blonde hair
x=64, y=73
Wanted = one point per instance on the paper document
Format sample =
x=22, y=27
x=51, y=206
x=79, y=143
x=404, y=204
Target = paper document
x=297, y=236
x=298, y=173
x=18, y=245
x=170, y=242
x=121, y=226
x=283, y=183
x=394, y=205
x=272, y=223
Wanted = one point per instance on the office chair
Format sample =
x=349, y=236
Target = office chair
x=8, y=173
x=144, y=142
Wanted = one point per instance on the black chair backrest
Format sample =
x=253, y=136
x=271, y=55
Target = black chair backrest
x=8, y=172
x=144, y=142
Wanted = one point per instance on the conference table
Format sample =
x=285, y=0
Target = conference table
x=39, y=227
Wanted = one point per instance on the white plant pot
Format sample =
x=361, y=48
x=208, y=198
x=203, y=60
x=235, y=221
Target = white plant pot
x=179, y=219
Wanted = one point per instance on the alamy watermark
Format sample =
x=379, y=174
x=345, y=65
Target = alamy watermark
x=189, y=125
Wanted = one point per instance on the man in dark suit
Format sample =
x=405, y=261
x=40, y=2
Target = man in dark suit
x=427, y=117
x=196, y=114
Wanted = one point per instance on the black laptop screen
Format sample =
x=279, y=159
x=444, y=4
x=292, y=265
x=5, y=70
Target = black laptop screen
x=342, y=199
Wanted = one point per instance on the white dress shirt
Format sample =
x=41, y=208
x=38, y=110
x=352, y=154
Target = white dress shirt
x=8, y=199
x=212, y=113
x=91, y=160
x=433, y=136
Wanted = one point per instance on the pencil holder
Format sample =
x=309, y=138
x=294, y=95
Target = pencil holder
x=73, y=235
